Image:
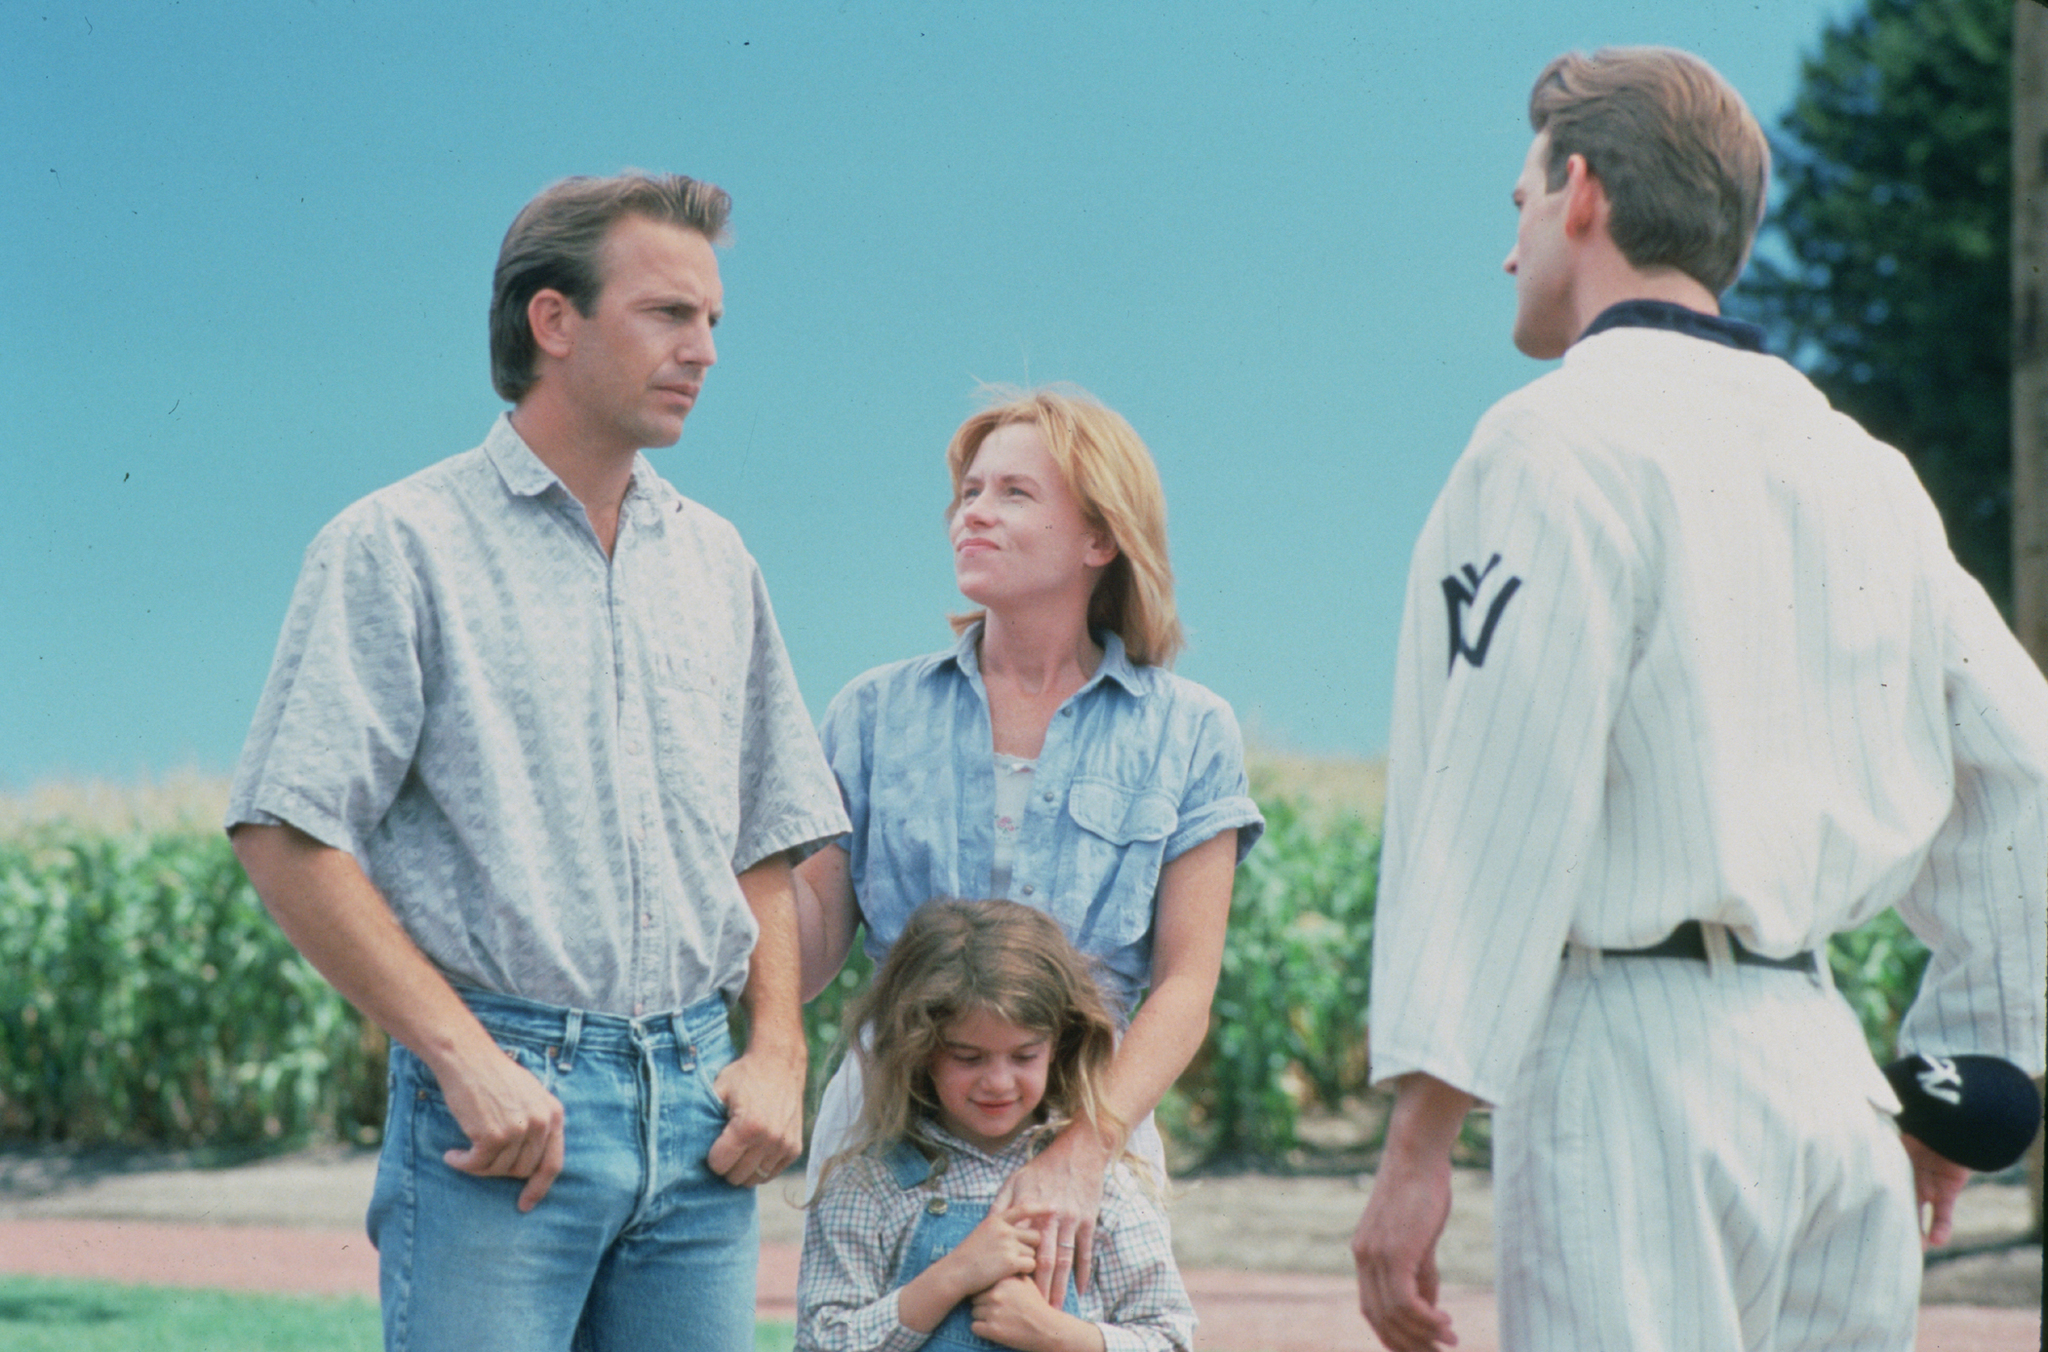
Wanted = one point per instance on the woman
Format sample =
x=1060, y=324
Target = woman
x=1049, y=758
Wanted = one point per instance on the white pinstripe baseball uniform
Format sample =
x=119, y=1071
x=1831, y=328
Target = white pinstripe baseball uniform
x=1682, y=643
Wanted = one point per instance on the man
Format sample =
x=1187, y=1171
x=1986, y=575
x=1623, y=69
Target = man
x=1689, y=681
x=524, y=785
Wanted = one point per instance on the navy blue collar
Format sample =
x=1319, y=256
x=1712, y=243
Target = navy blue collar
x=1662, y=314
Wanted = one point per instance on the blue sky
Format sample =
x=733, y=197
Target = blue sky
x=249, y=250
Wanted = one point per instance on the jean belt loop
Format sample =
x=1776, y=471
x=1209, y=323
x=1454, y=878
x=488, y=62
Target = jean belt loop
x=572, y=1033
x=686, y=1050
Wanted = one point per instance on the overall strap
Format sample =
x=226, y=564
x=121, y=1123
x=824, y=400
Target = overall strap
x=907, y=1164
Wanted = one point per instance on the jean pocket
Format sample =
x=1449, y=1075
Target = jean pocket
x=541, y=1064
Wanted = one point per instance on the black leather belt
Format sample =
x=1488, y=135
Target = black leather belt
x=1689, y=940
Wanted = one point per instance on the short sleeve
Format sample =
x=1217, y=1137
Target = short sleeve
x=846, y=735
x=340, y=716
x=787, y=798
x=1218, y=796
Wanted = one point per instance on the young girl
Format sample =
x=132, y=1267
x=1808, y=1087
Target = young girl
x=988, y=1036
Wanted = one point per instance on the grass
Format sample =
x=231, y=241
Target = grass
x=49, y=1314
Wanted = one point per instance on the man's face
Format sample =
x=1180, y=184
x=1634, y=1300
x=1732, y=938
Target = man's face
x=1540, y=262
x=636, y=363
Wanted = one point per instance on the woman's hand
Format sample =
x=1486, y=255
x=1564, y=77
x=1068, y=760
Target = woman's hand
x=1064, y=1186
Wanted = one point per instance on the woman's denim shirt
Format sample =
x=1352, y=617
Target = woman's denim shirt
x=1138, y=767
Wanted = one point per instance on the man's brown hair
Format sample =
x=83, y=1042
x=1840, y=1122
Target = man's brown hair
x=555, y=243
x=1684, y=164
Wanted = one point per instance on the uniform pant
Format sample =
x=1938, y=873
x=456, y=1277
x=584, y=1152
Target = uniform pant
x=1701, y=1156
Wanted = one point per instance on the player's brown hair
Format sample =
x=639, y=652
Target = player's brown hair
x=1108, y=469
x=1684, y=164
x=556, y=242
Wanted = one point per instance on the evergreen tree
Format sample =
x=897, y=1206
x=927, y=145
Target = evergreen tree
x=1884, y=270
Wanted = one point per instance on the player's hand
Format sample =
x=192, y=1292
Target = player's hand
x=1013, y=1313
x=1005, y=1244
x=1064, y=1185
x=1394, y=1248
x=763, y=1094
x=1936, y=1184
x=514, y=1125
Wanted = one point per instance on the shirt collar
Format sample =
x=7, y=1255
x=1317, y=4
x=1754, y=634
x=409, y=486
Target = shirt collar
x=526, y=475
x=1115, y=665
x=1662, y=314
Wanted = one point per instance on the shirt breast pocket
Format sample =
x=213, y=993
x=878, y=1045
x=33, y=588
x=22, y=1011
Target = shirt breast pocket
x=1110, y=868
x=698, y=725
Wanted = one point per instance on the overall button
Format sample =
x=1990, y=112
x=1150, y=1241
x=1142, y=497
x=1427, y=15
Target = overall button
x=936, y=1207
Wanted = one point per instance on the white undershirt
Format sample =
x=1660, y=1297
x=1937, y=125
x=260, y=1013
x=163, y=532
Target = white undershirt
x=1013, y=791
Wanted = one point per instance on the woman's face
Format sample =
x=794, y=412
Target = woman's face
x=1019, y=536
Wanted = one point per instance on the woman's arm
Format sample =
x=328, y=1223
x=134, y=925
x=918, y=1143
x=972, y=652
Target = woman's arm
x=826, y=917
x=1187, y=954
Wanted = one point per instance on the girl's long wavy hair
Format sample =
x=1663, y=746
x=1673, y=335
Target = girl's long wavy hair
x=958, y=958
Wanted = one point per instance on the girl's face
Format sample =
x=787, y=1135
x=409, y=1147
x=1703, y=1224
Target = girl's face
x=990, y=1078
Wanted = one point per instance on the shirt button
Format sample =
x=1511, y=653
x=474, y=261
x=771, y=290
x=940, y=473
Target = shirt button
x=1029, y=889
x=1067, y=712
x=646, y=921
x=638, y=1009
x=633, y=748
x=1048, y=797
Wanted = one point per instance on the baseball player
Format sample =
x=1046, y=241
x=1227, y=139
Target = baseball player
x=1689, y=681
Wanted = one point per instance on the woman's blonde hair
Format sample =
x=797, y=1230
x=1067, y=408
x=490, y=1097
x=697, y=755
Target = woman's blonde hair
x=1108, y=469
x=958, y=958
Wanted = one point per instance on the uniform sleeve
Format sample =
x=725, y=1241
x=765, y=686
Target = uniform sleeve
x=340, y=716
x=1515, y=648
x=845, y=1301
x=1145, y=1303
x=787, y=797
x=1981, y=900
x=1218, y=796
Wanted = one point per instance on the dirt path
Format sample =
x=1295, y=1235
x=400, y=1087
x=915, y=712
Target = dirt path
x=1264, y=1256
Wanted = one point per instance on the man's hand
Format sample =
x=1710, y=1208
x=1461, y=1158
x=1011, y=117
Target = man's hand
x=763, y=1091
x=1064, y=1185
x=514, y=1126
x=1394, y=1246
x=763, y=1094
x=1395, y=1250
x=1936, y=1183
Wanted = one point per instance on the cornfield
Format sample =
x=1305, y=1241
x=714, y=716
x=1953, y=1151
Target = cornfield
x=146, y=998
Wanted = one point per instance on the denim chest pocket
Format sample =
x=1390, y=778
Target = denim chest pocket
x=1119, y=815
x=1109, y=870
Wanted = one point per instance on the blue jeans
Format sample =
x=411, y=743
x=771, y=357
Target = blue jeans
x=638, y=1245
